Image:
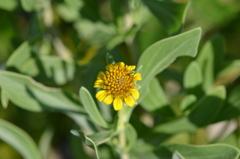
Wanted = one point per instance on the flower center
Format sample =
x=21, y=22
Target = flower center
x=118, y=82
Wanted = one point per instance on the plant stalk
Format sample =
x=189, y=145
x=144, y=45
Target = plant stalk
x=123, y=118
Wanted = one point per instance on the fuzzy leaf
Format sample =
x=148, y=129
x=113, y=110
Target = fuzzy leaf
x=19, y=139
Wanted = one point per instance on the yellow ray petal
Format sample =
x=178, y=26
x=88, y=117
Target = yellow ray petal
x=109, y=66
x=129, y=101
x=100, y=76
x=98, y=83
x=101, y=95
x=137, y=76
x=121, y=65
x=117, y=103
x=134, y=93
x=130, y=68
x=108, y=100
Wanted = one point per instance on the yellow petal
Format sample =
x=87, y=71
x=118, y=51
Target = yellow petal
x=130, y=68
x=129, y=101
x=109, y=66
x=101, y=95
x=121, y=65
x=98, y=83
x=100, y=76
x=117, y=103
x=108, y=100
x=137, y=76
x=134, y=93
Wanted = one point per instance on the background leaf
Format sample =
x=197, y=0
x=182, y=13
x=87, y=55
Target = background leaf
x=30, y=95
x=198, y=152
x=49, y=69
x=8, y=5
x=19, y=56
x=177, y=155
x=156, y=97
x=4, y=100
x=229, y=73
x=210, y=59
x=208, y=108
x=28, y=5
x=170, y=14
x=188, y=101
x=231, y=107
x=131, y=136
x=19, y=139
x=193, y=79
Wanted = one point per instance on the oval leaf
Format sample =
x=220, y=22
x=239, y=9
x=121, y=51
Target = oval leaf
x=156, y=97
x=19, y=139
x=131, y=136
x=30, y=95
x=207, y=109
x=193, y=79
x=187, y=102
x=170, y=14
x=218, y=151
x=161, y=54
x=91, y=107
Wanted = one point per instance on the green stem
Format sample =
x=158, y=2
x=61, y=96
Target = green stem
x=123, y=118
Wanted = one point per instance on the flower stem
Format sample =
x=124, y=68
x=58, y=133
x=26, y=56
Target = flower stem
x=122, y=121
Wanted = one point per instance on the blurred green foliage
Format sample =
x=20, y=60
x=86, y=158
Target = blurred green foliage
x=190, y=90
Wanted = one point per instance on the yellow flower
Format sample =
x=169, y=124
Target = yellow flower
x=118, y=85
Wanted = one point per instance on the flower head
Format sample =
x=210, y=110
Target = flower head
x=118, y=85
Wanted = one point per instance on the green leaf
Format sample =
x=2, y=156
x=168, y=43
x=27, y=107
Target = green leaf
x=217, y=151
x=28, y=5
x=177, y=155
x=161, y=54
x=188, y=101
x=19, y=139
x=210, y=60
x=181, y=124
x=94, y=139
x=204, y=112
x=131, y=136
x=170, y=14
x=69, y=11
x=117, y=10
x=45, y=141
x=156, y=97
x=231, y=108
x=49, y=69
x=88, y=141
x=96, y=33
x=4, y=99
x=221, y=13
x=91, y=107
x=19, y=56
x=193, y=79
x=77, y=147
x=229, y=73
x=8, y=5
x=30, y=95
x=207, y=109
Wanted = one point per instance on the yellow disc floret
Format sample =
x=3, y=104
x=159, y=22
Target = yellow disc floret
x=118, y=85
